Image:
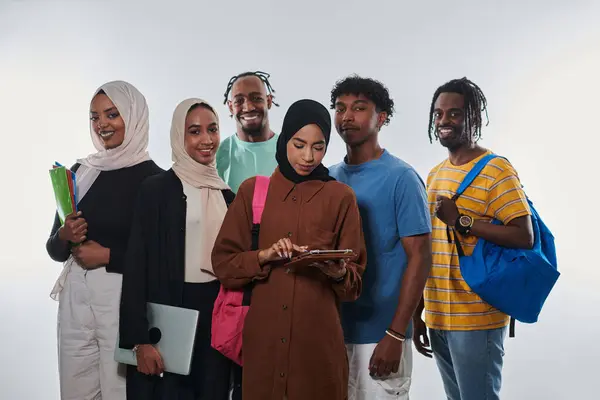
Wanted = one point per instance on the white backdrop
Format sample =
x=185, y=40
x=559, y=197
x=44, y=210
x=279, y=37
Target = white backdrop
x=536, y=61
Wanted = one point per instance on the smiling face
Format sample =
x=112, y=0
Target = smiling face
x=306, y=149
x=250, y=104
x=107, y=122
x=202, y=136
x=449, y=120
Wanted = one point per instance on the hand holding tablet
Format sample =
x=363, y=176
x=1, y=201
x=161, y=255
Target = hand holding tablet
x=331, y=262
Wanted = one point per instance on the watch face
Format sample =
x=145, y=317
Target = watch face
x=465, y=221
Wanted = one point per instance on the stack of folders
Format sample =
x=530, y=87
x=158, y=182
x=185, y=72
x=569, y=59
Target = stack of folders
x=65, y=190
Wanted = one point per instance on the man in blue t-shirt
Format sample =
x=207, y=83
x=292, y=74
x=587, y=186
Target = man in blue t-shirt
x=397, y=228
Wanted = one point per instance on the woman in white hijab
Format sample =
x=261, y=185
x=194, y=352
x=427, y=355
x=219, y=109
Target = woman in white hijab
x=92, y=243
x=177, y=218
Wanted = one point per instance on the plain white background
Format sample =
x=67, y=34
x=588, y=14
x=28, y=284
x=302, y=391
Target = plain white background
x=536, y=61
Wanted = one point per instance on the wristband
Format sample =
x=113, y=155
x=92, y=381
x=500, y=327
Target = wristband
x=398, y=336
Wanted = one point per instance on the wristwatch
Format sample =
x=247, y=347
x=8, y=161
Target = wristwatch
x=463, y=224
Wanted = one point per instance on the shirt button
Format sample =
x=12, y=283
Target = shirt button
x=282, y=374
x=293, y=198
x=284, y=307
x=283, y=340
x=289, y=234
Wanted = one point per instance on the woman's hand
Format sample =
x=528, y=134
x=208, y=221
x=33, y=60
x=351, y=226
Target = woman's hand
x=282, y=249
x=74, y=229
x=91, y=255
x=336, y=270
x=149, y=361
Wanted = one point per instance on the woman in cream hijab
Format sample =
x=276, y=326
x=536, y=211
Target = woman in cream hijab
x=177, y=218
x=92, y=244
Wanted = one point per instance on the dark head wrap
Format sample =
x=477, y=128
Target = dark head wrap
x=302, y=113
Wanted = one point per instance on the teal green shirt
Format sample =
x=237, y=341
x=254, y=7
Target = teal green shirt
x=238, y=160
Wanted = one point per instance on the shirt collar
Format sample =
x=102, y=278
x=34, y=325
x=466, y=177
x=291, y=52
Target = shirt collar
x=283, y=187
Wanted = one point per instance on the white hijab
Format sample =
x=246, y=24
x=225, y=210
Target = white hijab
x=203, y=177
x=133, y=109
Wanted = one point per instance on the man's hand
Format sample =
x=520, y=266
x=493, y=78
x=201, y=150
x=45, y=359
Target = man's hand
x=421, y=338
x=91, y=255
x=386, y=357
x=446, y=210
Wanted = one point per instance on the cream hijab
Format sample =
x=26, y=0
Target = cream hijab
x=194, y=173
x=133, y=109
x=203, y=177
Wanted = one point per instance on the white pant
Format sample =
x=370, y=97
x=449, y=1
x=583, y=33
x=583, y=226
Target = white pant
x=88, y=325
x=361, y=386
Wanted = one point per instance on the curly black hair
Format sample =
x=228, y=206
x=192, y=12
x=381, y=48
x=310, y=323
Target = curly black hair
x=370, y=88
x=475, y=105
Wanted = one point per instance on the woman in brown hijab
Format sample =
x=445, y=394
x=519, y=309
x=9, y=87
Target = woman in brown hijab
x=293, y=344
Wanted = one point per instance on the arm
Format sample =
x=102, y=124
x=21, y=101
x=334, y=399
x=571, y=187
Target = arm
x=518, y=233
x=351, y=237
x=413, y=222
x=418, y=252
x=59, y=250
x=133, y=324
x=234, y=263
x=420, y=308
x=507, y=203
x=116, y=258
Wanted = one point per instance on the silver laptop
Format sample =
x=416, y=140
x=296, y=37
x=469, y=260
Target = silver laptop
x=177, y=327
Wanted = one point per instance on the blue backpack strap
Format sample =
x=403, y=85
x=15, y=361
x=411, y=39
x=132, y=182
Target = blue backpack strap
x=472, y=174
x=466, y=182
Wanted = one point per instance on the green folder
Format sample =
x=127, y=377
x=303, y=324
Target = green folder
x=63, y=194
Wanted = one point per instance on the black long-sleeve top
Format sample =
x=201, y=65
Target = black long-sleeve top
x=108, y=209
x=155, y=270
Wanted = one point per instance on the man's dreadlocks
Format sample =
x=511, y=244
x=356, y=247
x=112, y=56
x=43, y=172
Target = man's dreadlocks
x=263, y=76
x=475, y=105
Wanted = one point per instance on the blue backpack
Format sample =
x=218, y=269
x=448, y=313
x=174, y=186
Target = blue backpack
x=515, y=281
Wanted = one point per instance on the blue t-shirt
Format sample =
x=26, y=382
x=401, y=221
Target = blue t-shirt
x=393, y=204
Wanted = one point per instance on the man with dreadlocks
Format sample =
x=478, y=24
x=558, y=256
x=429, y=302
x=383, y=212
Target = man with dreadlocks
x=466, y=334
x=251, y=151
x=397, y=229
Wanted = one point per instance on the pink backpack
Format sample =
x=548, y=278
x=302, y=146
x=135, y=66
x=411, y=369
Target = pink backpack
x=231, y=306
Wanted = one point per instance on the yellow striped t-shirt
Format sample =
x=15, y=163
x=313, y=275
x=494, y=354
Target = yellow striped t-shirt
x=495, y=193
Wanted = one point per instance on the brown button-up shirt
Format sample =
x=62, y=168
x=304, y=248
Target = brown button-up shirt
x=293, y=343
